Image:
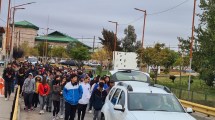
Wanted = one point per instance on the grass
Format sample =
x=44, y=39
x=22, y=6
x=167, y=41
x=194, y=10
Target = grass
x=200, y=92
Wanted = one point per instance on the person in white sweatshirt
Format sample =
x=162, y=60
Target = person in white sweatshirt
x=82, y=103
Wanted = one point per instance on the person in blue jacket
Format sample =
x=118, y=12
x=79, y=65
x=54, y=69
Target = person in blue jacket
x=72, y=93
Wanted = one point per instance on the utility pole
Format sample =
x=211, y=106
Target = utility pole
x=0, y=7
x=144, y=23
x=115, y=38
x=94, y=38
x=191, y=47
x=8, y=32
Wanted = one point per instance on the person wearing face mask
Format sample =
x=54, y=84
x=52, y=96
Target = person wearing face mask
x=72, y=93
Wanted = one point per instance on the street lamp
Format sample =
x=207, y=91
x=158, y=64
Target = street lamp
x=144, y=23
x=115, y=37
x=13, y=28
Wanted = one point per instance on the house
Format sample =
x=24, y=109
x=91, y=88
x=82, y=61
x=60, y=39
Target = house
x=25, y=32
x=57, y=38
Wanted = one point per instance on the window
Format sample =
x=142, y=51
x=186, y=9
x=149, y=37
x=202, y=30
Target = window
x=111, y=93
x=121, y=100
x=115, y=97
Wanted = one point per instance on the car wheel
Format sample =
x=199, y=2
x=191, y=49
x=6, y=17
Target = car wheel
x=102, y=117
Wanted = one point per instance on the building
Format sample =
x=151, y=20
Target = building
x=57, y=38
x=25, y=32
x=125, y=60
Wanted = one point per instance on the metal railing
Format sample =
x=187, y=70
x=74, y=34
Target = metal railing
x=209, y=111
x=14, y=113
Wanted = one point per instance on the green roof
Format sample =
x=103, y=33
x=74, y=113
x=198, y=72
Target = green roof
x=59, y=37
x=26, y=24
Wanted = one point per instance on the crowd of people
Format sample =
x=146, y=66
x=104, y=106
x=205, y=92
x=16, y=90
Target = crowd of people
x=64, y=91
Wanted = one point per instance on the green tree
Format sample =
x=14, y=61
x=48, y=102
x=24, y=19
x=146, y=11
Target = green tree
x=80, y=53
x=42, y=46
x=108, y=41
x=156, y=56
x=130, y=39
x=58, y=51
x=203, y=50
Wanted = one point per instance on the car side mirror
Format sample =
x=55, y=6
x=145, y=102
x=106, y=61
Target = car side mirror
x=189, y=110
x=119, y=108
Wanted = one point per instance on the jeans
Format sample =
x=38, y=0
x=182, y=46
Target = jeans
x=62, y=105
x=81, y=111
x=49, y=103
x=42, y=101
x=97, y=115
x=28, y=100
x=7, y=87
x=70, y=111
x=56, y=105
x=35, y=100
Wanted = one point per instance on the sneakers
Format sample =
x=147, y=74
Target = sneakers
x=57, y=117
x=90, y=111
x=41, y=112
x=6, y=99
x=54, y=118
x=61, y=116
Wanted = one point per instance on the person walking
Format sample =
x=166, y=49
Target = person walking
x=28, y=91
x=97, y=99
x=82, y=103
x=43, y=90
x=72, y=93
x=62, y=101
x=21, y=78
x=8, y=76
x=38, y=80
x=56, y=97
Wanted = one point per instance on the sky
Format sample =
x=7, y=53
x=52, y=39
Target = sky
x=86, y=18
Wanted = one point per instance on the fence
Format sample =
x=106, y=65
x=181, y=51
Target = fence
x=196, y=97
x=14, y=112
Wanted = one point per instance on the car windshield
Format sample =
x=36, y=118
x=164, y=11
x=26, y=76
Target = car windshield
x=153, y=102
x=129, y=75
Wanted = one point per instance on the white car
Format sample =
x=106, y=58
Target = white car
x=135, y=100
x=32, y=60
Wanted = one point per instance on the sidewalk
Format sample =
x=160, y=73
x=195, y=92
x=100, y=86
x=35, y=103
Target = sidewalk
x=6, y=107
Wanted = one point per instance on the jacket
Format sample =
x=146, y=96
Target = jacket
x=56, y=92
x=8, y=74
x=28, y=86
x=72, y=93
x=86, y=93
x=43, y=89
x=98, y=99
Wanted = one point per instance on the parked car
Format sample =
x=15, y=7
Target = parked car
x=71, y=63
x=94, y=64
x=32, y=60
x=135, y=100
x=2, y=63
x=52, y=61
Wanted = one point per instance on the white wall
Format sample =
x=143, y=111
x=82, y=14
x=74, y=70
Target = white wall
x=125, y=60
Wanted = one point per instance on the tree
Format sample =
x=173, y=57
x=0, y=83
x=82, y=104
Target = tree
x=129, y=40
x=17, y=53
x=80, y=53
x=29, y=51
x=108, y=41
x=156, y=56
x=203, y=50
x=42, y=46
x=58, y=52
x=101, y=55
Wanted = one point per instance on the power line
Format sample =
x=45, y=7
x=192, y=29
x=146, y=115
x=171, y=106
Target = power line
x=156, y=13
x=2, y=20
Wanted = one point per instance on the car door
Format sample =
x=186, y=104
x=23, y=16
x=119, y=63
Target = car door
x=113, y=102
x=108, y=103
x=119, y=115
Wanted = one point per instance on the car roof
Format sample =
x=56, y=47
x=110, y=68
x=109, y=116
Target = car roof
x=117, y=70
x=142, y=87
